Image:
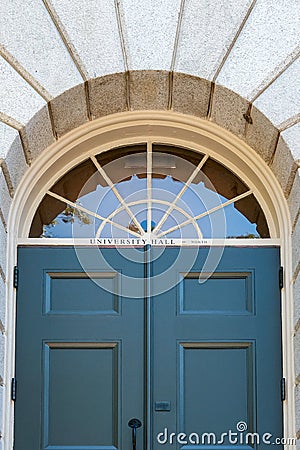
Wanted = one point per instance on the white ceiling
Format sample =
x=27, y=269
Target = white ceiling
x=249, y=46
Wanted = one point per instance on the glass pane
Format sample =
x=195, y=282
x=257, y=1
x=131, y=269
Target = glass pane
x=238, y=226
x=223, y=180
x=177, y=162
x=72, y=183
x=181, y=152
x=122, y=163
x=250, y=208
x=110, y=230
x=55, y=219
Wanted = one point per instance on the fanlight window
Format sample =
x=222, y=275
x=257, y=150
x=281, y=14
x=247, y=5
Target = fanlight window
x=153, y=190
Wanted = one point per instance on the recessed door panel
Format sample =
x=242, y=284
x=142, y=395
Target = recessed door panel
x=78, y=293
x=79, y=379
x=223, y=293
x=215, y=378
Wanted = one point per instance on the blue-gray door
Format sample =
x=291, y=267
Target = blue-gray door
x=195, y=357
x=80, y=350
x=216, y=357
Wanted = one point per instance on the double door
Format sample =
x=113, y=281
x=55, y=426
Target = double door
x=143, y=333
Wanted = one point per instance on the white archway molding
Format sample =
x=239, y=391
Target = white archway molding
x=163, y=127
x=128, y=128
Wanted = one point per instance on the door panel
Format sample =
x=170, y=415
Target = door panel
x=218, y=362
x=95, y=370
x=233, y=290
x=226, y=380
x=80, y=351
x=62, y=290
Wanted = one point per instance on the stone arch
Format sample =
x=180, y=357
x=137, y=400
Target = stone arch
x=151, y=91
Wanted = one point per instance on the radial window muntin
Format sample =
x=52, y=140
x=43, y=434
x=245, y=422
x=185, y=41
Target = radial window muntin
x=150, y=162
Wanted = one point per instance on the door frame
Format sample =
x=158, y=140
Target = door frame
x=169, y=128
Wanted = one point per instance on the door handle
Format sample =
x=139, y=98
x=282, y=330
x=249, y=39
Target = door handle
x=134, y=424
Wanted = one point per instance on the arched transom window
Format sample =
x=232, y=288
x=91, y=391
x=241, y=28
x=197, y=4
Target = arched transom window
x=150, y=190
